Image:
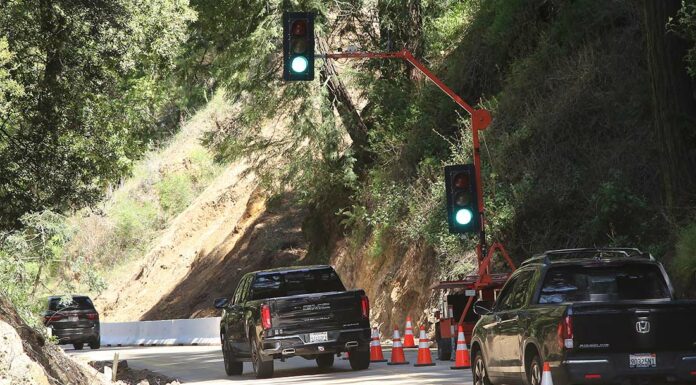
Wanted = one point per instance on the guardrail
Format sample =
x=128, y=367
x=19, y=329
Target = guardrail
x=197, y=331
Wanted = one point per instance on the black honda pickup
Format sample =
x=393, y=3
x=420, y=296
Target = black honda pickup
x=294, y=311
x=595, y=315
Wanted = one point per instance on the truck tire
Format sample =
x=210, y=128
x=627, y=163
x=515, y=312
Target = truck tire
x=444, y=349
x=325, y=361
x=78, y=346
x=359, y=359
x=534, y=371
x=262, y=369
x=232, y=367
x=95, y=343
x=479, y=371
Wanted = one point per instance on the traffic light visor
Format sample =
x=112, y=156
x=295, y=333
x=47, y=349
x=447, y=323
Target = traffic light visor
x=464, y=216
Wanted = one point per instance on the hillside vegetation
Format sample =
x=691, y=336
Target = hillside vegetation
x=592, y=144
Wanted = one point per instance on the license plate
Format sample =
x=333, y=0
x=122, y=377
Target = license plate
x=318, y=337
x=646, y=360
x=72, y=319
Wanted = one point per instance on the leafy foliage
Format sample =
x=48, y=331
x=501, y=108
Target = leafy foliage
x=82, y=95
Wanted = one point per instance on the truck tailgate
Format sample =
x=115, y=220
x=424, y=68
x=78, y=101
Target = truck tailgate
x=637, y=327
x=317, y=312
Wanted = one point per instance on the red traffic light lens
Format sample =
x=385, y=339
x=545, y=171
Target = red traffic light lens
x=462, y=199
x=461, y=180
x=299, y=28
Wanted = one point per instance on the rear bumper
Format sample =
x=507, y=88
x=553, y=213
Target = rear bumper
x=606, y=369
x=298, y=345
x=76, y=335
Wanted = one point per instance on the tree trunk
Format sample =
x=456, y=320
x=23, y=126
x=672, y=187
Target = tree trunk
x=341, y=100
x=674, y=105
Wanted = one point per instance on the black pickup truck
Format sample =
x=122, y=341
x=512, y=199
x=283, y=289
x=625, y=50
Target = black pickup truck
x=595, y=315
x=294, y=311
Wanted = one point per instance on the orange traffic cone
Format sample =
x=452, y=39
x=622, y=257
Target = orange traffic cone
x=376, y=348
x=463, y=360
x=546, y=377
x=424, y=358
x=409, y=342
x=397, y=355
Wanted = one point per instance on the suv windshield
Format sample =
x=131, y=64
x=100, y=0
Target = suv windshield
x=284, y=284
x=77, y=303
x=603, y=284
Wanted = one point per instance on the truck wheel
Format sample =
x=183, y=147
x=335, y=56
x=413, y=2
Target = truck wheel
x=325, y=361
x=78, y=346
x=95, y=343
x=262, y=369
x=479, y=370
x=444, y=349
x=534, y=371
x=232, y=367
x=359, y=359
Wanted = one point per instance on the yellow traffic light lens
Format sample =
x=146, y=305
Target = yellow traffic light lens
x=299, y=64
x=462, y=198
x=464, y=216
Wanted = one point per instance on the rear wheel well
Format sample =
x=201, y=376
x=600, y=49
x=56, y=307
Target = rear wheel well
x=529, y=352
x=475, y=348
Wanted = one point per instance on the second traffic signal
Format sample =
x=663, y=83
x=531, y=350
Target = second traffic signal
x=463, y=214
x=298, y=46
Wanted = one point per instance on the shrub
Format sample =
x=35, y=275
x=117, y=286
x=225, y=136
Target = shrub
x=175, y=192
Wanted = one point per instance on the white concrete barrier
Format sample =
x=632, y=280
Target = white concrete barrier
x=196, y=331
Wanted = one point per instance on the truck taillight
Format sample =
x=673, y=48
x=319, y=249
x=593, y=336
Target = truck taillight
x=365, y=306
x=565, y=332
x=265, y=317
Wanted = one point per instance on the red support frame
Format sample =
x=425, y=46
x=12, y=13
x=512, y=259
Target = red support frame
x=480, y=120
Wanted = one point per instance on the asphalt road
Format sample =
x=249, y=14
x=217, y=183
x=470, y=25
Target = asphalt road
x=203, y=365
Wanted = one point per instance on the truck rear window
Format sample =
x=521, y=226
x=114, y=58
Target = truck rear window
x=273, y=285
x=603, y=284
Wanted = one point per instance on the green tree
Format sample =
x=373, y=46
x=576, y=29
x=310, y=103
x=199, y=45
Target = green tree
x=82, y=95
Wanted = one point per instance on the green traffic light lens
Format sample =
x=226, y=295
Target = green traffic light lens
x=464, y=216
x=299, y=64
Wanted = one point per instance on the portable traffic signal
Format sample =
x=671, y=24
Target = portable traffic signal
x=462, y=199
x=298, y=46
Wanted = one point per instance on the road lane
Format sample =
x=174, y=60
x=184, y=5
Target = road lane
x=202, y=365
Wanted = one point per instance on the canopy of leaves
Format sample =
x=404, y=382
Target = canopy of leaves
x=82, y=94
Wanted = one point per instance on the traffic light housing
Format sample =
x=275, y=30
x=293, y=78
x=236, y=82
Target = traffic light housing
x=298, y=46
x=463, y=214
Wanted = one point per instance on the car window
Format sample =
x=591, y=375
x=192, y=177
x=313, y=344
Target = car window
x=521, y=291
x=601, y=283
x=68, y=303
x=284, y=284
x=504, y=296
x=238, y=294
x=518, y=292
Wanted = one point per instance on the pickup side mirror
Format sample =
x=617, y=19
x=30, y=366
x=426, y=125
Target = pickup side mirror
x=482, y=308
x=221, y=303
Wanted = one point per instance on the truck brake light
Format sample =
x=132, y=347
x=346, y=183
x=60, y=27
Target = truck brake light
x=565, y=332
x=365, y=306
x=265, y=317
